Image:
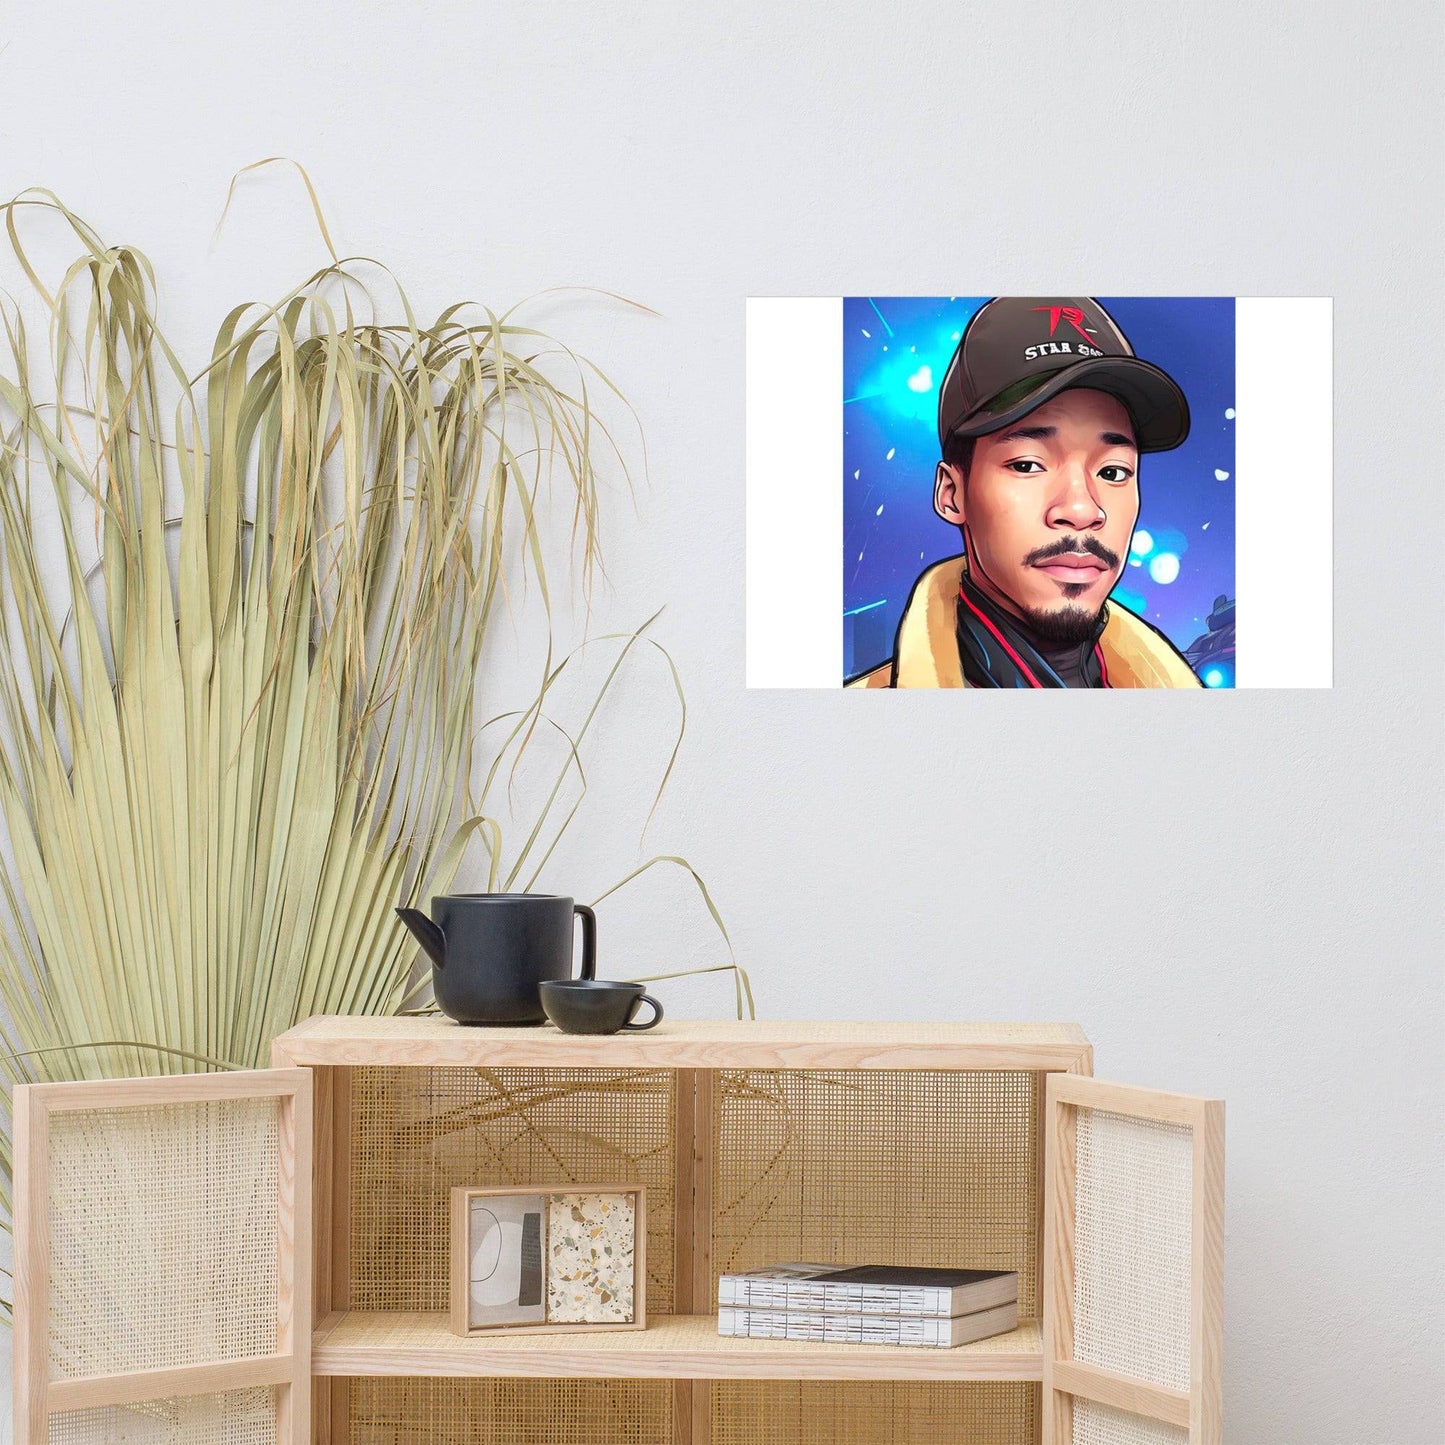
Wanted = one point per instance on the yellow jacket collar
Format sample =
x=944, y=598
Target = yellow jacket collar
x=1135, y=655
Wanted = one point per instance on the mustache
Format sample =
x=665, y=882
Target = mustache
x=1066, y=546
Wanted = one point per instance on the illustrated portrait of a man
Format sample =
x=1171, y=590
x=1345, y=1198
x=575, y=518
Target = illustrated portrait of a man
x=1043, y=416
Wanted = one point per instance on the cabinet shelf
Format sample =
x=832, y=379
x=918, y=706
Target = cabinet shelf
x=435, y=1042
x=672, y=1347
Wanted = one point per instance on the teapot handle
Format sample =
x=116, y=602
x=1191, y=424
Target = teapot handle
x=589, y=940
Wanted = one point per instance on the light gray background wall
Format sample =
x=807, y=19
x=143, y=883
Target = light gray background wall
x=1237, y=894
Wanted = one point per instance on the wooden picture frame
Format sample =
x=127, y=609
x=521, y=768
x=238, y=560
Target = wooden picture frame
x=462, y=1314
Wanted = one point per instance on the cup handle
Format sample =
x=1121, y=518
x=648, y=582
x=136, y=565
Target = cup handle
x=653, y=1022
x=589, y=940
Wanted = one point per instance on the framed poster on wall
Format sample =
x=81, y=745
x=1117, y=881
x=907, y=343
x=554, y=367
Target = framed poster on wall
x=1039, y=492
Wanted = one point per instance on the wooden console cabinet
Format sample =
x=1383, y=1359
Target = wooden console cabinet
x=985, y=1145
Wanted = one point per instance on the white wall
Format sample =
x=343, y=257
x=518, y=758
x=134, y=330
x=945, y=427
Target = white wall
x=1251, y=905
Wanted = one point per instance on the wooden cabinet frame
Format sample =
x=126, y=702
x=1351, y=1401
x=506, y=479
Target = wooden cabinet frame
x=311, y=1368
x=682, y=1347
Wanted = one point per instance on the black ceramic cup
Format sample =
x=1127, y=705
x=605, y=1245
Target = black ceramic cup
x=595, y=1006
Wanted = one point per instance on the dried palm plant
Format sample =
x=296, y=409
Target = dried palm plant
x=237, y=715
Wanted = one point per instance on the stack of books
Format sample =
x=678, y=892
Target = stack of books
x=871, y=1304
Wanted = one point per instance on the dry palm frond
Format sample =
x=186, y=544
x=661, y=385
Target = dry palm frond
x=237, y=715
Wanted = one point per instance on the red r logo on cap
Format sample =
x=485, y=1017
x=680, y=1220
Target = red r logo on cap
x=1071, y=314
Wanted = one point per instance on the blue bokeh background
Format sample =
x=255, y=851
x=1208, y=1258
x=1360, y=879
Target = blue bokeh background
x=895, y=352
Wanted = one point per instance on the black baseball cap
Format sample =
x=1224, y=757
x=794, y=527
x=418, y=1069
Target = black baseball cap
x=1020, y=351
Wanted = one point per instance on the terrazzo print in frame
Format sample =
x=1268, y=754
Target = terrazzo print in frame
x=591, y=1258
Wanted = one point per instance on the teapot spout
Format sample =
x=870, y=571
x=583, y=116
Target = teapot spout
x=426, y=933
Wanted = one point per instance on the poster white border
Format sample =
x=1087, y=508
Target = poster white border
x=1284, y=565
x=794, y=528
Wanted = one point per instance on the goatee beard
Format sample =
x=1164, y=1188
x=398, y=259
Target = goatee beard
x=1066, y=627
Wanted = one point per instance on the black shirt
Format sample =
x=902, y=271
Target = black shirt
x=998, y=649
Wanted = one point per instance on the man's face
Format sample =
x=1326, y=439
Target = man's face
x=1048, y=508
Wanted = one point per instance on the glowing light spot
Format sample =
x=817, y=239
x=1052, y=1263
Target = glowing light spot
x=1213, y=678
x=1143, y=543
x=879, y=512
x=868, y=334
x=1164, y=568
x=1136, y=561
x=1229, y=412
x=958, y=336
x=922, y=379
x=1220, y=476
x=889, y=457
x=856, y=475
x=860, y=556
x=1205, y=527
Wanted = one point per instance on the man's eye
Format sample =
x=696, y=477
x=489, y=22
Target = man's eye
x=1115, y=474
x=1025, y=467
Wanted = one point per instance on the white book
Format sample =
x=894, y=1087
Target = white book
x=845, y=1329
x=869, y=1289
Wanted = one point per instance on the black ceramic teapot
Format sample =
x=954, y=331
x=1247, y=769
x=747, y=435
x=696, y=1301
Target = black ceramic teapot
x=491, y=952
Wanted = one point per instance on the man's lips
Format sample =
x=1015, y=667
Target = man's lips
x=1078, y=568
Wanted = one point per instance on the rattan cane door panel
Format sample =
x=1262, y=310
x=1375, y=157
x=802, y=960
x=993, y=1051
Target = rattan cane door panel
x=232, y=1417
x=162, y=1260
x=1096, y=1424
x=157, y=1259
x=1133, y=1207
x=1134, y=1243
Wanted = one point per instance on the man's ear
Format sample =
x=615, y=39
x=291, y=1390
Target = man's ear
x=948, y=494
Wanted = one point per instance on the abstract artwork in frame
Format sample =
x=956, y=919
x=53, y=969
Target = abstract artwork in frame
x=527, y=1259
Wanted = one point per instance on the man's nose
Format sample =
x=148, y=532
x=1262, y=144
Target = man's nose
x=1076, y=507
